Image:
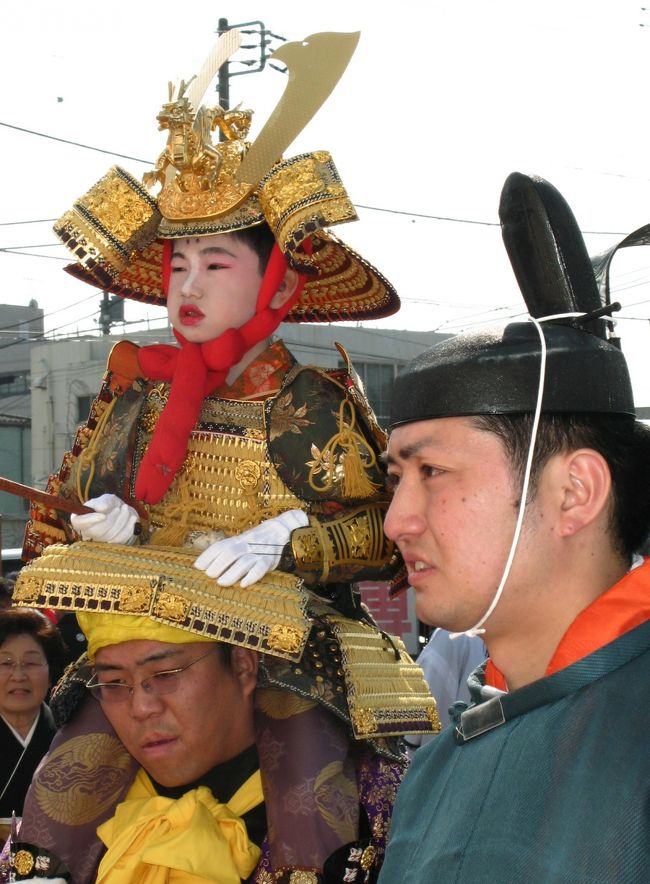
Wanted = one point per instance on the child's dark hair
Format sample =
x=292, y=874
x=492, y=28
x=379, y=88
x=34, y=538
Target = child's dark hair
x=260, y=239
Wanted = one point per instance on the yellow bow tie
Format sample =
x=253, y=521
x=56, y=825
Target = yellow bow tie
x=156, y=840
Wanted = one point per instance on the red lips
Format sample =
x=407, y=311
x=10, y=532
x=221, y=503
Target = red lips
x=189, y=314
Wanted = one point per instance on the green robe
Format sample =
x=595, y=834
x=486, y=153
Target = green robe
x=559, y=791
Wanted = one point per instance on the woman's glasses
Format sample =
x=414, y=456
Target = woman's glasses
x=30, y=667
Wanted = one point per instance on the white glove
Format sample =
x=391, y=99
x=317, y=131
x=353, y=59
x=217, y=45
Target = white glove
x=112, y=522
x=247, y=557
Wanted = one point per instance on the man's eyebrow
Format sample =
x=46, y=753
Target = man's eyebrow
x=150, y=658
x=406, y=452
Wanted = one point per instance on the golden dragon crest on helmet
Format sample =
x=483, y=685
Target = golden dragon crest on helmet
x=197, y=176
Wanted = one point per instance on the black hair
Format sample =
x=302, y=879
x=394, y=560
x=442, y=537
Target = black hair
x=225, y=652
x=21, y=621
x=6, y=592
x=622, y=441
x=260, y=239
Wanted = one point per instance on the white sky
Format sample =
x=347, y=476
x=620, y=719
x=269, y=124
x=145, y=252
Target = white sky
x=440, y=102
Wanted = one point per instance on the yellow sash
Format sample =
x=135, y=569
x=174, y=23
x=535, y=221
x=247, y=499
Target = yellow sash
x=192, y=839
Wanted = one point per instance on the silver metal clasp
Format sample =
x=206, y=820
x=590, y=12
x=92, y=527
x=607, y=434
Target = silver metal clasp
x=479, y=719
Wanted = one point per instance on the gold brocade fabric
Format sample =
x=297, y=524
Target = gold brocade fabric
x=386, y=694
x=192, y=839
x=162, y=584
x=228, y=482
x=250, y=456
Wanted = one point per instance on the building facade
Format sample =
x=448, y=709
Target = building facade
x=20, y=328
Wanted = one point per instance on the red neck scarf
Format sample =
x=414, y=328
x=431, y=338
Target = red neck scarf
x=195, y=370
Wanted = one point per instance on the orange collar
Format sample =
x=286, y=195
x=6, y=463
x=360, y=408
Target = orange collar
x=619, y=609
x=262, y=377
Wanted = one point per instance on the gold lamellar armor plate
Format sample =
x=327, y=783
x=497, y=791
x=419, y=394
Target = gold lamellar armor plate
x=163, y=584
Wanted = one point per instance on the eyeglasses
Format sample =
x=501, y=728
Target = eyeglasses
x=29, y=667
x=158, y=684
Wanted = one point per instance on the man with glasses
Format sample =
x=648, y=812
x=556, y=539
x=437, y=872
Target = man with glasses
x=163, y=698
x=211, y=762
x=136, y=679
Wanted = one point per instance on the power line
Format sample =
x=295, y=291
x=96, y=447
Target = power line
x=471, y=221
x=45, y=336
x=35, y=221
x=18, y=250
x=428, y=217
x=40, y=245
x=21, y=322
x=37, y=336
x=42, y=336
x=76, y=144
x=424, y=215
x=11, y=251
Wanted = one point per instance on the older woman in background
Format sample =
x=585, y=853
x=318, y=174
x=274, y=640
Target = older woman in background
x=31, y=654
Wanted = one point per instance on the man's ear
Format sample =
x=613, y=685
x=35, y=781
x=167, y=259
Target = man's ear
x=244, y=665
x=286, y=288
x=586, y=491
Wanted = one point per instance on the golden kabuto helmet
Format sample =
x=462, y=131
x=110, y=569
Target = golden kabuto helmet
x=497, y=371
x=116, y=231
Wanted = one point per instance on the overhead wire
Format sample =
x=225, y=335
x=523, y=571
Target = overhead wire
x=12, y=251
x=40, y=245
x=22, y=322
x=405, y=212
x=46, y=336
x=466, y=322
x=34, y=221
x=454, y=220
x=112, y=153
x=43, y=336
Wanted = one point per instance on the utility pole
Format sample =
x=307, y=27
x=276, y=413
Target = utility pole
x=260, y=41
x=111, y=310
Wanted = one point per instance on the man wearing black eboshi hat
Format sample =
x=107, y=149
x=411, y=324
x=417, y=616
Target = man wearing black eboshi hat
x=546, y=775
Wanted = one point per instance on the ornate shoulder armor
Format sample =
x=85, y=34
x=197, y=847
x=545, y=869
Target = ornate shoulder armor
x=324, y=438
x=351, y=546
x=111, y=422
x=325, y=442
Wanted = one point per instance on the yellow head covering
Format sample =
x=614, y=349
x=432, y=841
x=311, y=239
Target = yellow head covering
x=102, y=630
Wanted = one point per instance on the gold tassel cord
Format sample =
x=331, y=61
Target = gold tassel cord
x=346, y=459
x=86, y=459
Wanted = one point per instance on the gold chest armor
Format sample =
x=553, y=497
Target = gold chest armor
x=228, y=482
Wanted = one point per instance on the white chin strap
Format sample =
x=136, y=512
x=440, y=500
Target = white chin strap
x=478, y=628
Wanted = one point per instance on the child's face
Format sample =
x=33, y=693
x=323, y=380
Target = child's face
x=213, y=286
